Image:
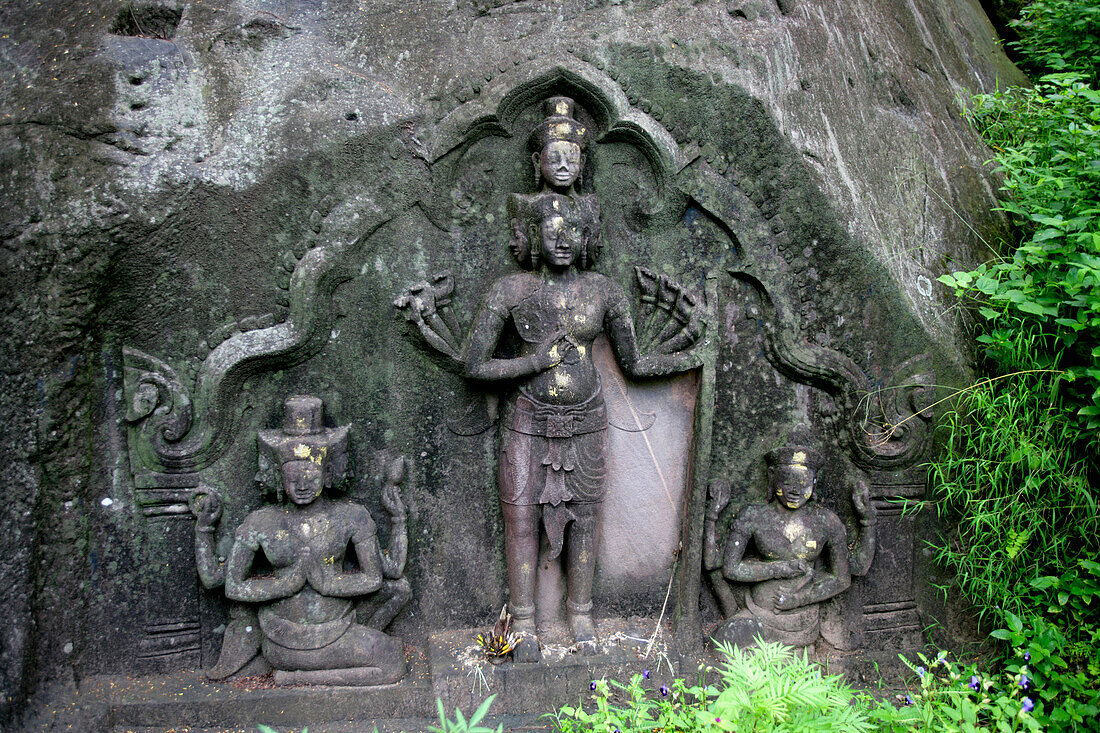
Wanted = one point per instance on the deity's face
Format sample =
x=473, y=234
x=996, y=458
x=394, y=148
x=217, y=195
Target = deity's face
x=303, y=481
x=559, y=242
x=560, y=163
x=792, y=485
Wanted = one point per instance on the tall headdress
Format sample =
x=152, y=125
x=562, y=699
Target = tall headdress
x=303, y=437
x=795, y=455
x=559, y=124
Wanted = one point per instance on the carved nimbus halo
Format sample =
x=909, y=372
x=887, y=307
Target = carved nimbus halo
x=501, y=101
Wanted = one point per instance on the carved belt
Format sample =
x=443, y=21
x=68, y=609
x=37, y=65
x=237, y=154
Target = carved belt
x=558, y=424
x=532, y=417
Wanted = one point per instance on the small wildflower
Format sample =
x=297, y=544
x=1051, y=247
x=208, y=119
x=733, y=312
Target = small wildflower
x=1027, y=705
x=908, y=699
x=645, y=673
x=664, y=690
x=592, y=686
x=975, y=682
x=717, y=720
x=1027, y=656
x=920, y=672
x=1024, y=682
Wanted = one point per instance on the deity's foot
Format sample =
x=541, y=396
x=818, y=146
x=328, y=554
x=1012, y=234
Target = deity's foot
x=528, y=648
x=347, y=677
x=584, y=633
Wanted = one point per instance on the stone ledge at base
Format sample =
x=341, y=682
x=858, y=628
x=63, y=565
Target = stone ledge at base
x=449, y=669
x=188, y=699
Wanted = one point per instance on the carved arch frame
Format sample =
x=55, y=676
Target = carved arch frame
x=175, y=433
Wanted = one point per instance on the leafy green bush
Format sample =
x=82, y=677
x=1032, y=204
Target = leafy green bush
x=1020, y=472
x=1060, y=35
x=766, y=689
x=1042, y=305
x=1021, y=502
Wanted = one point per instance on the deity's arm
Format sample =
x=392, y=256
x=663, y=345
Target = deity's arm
x=619, y=326
x=393, y=559
x=825, y=584
x=482, y=342
x=718, y=496
x=211, y=572
x=207, y=508
x=239, y=587
x=863, y=549
x=737, y=567
x=327, y=574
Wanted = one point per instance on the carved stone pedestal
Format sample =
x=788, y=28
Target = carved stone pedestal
x=461, y=678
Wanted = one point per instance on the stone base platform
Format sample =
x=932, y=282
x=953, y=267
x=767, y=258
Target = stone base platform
x=449, y=668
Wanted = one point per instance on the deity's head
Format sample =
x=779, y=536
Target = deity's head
x=309, y=457
x=303, y=481
x=557, y=145
x=792, y=475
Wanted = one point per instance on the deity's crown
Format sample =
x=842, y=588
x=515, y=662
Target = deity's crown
x=304, y=436
x=795, y=455
x=559, y=124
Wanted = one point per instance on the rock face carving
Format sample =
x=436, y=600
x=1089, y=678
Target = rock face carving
x=553, y=442
x=787, y=555
x=297, y=567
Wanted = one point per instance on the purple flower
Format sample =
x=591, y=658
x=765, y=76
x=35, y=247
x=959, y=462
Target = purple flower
x=717, y=720
x=1027, y=656
x=1024, y=682
x=975, y=682
x=664, y=690
x=908, y=699
x=920, y=672
x=1027, y=705
x=592, y=686
x=645, y=673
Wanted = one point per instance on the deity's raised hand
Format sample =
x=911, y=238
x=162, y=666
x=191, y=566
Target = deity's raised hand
x=206, y=506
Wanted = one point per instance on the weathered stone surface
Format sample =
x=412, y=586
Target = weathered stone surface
x=168, y=168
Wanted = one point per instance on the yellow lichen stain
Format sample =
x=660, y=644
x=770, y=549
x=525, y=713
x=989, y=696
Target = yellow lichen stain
x=320, y=455
x=812, y=544
x=302, y=451
x=525, y=569
x=562, y=129
x=580, y=318
x=794, y=530
x=562, y=108
x=799, y=458
x=563, y=380
x=582, y=557
x=300, y=422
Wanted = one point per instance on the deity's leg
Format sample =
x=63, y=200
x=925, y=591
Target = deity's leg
x=361, y=656
x=583, y=538
x=395, y=594
x=521, y=550
x=240, y=642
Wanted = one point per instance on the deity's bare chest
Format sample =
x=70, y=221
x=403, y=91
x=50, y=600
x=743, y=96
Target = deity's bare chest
x=576, y=308
x=794, y=539
x=297, y=537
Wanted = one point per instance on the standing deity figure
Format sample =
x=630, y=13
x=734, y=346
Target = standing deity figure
x=787, y=555
x=553, y=442
x=296, y=568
